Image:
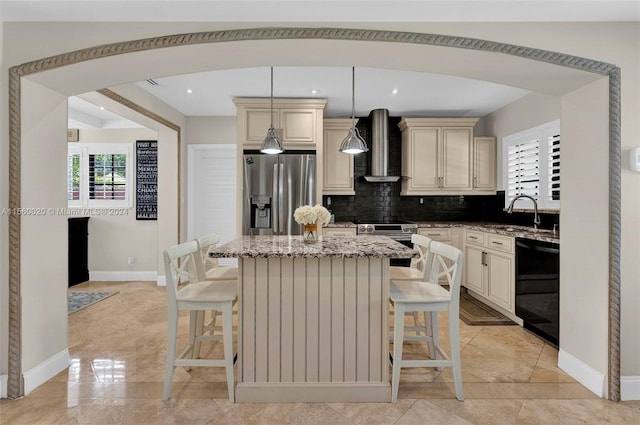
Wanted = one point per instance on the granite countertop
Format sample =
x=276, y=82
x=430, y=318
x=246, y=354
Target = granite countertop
x=512, y=230
x=327, y=246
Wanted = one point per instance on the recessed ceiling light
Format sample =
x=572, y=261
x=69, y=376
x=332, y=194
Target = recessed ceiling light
x=102, y=108
x=189, y=91
x=394, y=91
x=314, y=91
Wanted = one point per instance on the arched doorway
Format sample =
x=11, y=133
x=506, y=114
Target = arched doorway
x=332, y=46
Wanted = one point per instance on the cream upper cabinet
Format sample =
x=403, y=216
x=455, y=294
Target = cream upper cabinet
x=338, y=166
x=298, y=121
x=437, y=155
x=484, y=164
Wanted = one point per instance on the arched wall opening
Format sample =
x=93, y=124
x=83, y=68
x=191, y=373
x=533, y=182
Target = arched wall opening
x=54, y=79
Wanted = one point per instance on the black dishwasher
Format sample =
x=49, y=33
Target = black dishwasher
x=538, y=287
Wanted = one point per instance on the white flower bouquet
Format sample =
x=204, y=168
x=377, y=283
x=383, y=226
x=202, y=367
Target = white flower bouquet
x=310, y=217
x=306, y=214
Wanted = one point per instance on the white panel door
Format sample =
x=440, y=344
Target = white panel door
x=212, y=192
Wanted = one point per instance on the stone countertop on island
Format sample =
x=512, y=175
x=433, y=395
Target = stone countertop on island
x=327, y=246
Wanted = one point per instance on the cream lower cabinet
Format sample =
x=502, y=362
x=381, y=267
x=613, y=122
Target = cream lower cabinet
x=298, y=121
x=490, y=267
x=448, y=235
x=338, y=166
x=339, y=231
x=437, y=155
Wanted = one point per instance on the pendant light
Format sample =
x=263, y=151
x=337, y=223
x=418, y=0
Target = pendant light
x=353, y=143
x=271, y=144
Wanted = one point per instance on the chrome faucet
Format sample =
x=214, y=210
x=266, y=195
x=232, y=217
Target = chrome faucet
x=536, y=219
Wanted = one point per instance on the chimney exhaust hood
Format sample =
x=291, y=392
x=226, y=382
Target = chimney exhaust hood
x=380, y=148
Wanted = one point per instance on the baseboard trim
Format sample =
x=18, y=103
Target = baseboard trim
x=46, y=370
x=629, y=388
x=593, y=380
x=162, y=280
x=298, y=392
x=3, y=385
x=122, y=276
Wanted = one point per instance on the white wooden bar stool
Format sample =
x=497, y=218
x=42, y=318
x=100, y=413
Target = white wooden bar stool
x=195, y=297
x=208, y=268
x=417, y=270
x=410, y=296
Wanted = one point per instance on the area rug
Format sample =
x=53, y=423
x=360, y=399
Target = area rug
x=476, y=313
x=77, y=300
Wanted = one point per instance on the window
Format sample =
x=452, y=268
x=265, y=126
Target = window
x=99, y=175
x=531, y=166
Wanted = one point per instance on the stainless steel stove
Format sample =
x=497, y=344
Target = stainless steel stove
x=400, y=232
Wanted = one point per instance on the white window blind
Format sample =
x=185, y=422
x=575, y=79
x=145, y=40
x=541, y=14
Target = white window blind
x=531, y=166
x=99, y=175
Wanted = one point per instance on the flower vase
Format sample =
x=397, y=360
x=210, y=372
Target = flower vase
x=310, y=234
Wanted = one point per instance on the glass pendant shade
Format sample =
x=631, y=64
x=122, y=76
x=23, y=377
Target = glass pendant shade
x=353, y=143
x=271, y=144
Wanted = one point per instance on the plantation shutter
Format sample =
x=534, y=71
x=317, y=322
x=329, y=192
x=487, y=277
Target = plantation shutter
x=523, y=169
x=554, y=168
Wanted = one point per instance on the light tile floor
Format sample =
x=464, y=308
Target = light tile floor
x=117, y=348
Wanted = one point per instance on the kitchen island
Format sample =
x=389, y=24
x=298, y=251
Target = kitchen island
x=312, y=321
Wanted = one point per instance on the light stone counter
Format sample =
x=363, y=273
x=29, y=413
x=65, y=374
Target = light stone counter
x=312, y=319
x=327, y=246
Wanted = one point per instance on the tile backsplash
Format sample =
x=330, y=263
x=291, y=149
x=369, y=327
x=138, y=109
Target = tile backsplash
x=381, y=202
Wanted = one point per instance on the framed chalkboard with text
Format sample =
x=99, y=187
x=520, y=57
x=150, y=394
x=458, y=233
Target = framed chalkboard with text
x=146, y=180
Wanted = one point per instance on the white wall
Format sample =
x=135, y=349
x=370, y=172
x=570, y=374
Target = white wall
x=527, y=112
x=584, y=223
x=113, y=238
x=43, y=271
x=211, y=130
x=4, y=221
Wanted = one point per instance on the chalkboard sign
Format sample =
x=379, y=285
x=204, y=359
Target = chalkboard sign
x=146, y=180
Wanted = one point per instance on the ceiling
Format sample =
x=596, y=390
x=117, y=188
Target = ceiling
x=401, y=92
x=417, y=93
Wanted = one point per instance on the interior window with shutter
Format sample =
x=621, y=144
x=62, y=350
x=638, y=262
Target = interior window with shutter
x=531, y=166
x=99, y=175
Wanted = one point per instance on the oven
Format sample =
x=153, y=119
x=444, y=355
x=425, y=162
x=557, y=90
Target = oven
x=399, y=232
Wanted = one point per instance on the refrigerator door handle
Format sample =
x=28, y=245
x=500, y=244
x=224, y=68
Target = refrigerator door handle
x=280, y=198
x=275, y=203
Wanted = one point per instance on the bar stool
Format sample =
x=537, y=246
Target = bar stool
x=417, y=270
x=196, y=297
x=208, y=268
x=416, y=296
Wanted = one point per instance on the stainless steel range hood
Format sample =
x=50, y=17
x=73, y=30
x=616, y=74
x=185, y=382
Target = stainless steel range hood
x=380, y=148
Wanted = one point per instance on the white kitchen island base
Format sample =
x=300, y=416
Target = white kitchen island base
x=313, y=319
x=313, y=329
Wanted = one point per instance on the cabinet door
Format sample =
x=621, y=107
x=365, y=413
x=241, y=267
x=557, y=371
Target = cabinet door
x=456, y=158
x=484, y=164
x=338, y=166
x=339, y=231
x=500, y=280
x=298, y=125
x=474, y=269
x=257, y=123
x=424, y=159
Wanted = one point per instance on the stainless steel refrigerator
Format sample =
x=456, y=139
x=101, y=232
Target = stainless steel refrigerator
x=274, y=186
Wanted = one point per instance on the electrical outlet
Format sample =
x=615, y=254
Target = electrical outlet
x=421, y=201
x=131, y=260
